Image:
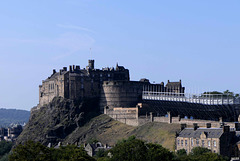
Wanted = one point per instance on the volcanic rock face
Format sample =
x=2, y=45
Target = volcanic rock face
x=56, y=120
x=72, y=122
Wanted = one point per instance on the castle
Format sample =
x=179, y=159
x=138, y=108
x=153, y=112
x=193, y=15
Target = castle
x=111, y=85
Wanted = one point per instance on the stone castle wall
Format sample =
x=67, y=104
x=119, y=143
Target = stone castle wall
x=120, y=94
x=128, y=116
x=77, y=83
x=131, y=116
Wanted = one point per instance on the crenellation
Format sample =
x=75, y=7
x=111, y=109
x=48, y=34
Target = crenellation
x=111, y=85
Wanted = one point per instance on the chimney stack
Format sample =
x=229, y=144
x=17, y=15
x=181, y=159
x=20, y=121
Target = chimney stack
x=208, y=125
x=54, y=71
x=226, y=128
x=91, y=64
x=70, y=68
x=64, y=68
x=195, y=126
x=183, y=126
x=237, y=126
x=77, y=67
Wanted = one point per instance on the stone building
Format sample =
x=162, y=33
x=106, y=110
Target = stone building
x=92, y=149
x=174, y=87
x=10, y=133
x=111, y=85
x=76, y=83
x=218, y=140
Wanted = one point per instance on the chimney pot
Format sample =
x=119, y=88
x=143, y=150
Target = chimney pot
x=195, y=126
x=183, y=126
x=208, y=125
x=226, y=128
x=77, y=67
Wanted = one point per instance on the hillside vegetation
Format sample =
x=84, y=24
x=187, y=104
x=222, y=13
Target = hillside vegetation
x=71, y=122
x=108, y=131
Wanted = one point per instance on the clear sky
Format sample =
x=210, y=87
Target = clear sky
x=195, y=41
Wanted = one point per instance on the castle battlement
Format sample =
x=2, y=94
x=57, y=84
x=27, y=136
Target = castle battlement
x=111, y=85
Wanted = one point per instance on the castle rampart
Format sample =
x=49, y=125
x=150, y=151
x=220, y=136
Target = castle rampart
x=77, y=83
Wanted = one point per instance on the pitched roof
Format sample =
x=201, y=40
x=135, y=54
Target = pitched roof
x=209, y=132
x=173, y=84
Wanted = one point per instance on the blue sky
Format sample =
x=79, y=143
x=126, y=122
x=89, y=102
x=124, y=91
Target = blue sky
x=195, y=41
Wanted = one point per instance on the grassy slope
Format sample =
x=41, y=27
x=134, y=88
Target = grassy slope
x=107, y=130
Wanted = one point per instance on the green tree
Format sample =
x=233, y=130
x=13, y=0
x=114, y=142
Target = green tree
x=129, y=150
x=204, y=154
x=30, y=151
x=5, y=147
x=134, y=149
x=157, y=152
x=181, y=152
x=71, y=153
x=199, y=151
x=100, y=153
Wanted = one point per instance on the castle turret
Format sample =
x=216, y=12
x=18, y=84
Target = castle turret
x=91, y=64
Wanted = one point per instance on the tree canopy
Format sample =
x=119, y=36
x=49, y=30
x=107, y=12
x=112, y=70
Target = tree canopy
x=130, y=149
x=31, y=151
x=134, y=149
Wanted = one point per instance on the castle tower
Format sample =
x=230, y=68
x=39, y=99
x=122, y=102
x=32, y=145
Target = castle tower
x=91, y=64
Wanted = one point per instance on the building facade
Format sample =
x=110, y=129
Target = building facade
x=111, y=85
x=218, y=140
x=76, y=83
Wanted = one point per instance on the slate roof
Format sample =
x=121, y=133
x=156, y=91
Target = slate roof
x=173, y=84
x=209, y=132
x=56, y=75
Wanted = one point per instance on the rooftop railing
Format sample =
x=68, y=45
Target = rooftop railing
x=208, y=99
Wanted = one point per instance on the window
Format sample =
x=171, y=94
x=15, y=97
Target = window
x=178, y=142
x=181, y=142
x=197, y=141
x=209, y=143
x=185, y=142
x=109, y=75
x=214, y=143
x=202, y=143
x=192, y=142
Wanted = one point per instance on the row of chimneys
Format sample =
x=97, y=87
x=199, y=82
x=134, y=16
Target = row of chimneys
x=71, y=69
x=208, y=125
x=75, y=68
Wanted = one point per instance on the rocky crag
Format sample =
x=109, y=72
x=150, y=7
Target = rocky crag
x=55, y=121
x=78, y=122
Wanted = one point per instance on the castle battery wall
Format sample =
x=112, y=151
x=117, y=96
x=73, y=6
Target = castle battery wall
x=120, y=94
